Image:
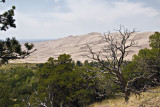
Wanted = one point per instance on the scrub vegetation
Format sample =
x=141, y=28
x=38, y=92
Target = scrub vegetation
x=62, y=82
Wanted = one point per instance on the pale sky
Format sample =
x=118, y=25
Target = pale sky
x=52, y=19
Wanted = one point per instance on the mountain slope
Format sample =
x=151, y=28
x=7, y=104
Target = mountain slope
x=74, y=45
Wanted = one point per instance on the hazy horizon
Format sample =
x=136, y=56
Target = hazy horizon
x=55, y=19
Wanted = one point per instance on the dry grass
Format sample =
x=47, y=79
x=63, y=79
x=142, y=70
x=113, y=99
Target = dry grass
x=151, y=98
x=13, y=65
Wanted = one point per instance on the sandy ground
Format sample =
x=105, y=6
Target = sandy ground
x=74, y=45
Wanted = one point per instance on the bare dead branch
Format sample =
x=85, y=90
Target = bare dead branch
x=114, y=51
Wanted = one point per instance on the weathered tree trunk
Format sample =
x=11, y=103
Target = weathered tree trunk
x=127, y=94
x=126, y=90
x=114, y=52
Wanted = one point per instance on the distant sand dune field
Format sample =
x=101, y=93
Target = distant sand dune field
x=73, y=45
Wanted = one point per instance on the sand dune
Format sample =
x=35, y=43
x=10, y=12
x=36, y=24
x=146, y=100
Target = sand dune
x=73, y=45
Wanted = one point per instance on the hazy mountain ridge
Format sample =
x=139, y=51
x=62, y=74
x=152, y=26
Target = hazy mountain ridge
x=73, y=45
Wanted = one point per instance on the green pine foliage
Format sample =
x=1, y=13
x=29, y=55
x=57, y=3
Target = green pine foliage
x=146, y=64
x=62, y=82
x=68, y=85
x=10, y=49
x=15, y=85
x=155, y=40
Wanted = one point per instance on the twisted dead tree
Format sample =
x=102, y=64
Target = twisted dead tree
x=116, y=49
